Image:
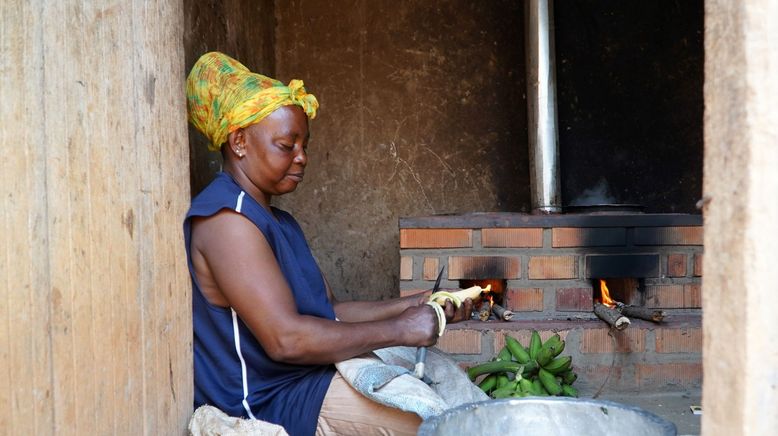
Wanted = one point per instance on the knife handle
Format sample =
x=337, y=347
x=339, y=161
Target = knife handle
x=421, y=357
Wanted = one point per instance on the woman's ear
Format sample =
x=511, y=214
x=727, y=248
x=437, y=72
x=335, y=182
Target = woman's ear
x=236, y=143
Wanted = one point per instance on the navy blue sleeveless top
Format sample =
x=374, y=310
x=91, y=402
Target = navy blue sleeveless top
x=231, y=369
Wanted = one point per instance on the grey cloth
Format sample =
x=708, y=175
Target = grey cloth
x=386, y=376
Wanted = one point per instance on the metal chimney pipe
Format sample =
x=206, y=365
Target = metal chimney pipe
x=541, y=107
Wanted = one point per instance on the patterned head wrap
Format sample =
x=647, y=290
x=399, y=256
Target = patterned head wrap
x=223, y=96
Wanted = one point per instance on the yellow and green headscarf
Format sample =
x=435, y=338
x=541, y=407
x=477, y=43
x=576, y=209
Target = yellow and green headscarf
x=223, y=96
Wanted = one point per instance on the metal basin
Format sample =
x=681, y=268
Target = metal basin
x=547, y=417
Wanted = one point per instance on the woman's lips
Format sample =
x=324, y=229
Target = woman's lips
x=297, y=177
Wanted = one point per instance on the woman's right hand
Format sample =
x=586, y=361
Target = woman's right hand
x=419, y=326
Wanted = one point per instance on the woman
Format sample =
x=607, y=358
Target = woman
x=267, y=329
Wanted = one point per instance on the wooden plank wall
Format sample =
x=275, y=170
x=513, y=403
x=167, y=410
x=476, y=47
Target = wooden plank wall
x=95, y=308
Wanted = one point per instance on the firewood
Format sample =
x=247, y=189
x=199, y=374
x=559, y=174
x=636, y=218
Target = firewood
x=502, y=313
x=485, y=311
x=612, y=316
x=646, y=313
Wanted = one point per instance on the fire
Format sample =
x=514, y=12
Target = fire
x=605, y=295
x=487, y=296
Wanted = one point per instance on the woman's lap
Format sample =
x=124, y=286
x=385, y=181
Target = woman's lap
x=347, y=412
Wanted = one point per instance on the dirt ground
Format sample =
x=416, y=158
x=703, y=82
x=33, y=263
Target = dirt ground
x=673, y=406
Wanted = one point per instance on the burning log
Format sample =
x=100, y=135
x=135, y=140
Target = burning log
x=502, y=313
x=485, y=310
x=612, y=316
x=642, y=313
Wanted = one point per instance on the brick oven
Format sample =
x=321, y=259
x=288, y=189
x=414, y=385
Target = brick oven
x=551, y=262
x=551, y=265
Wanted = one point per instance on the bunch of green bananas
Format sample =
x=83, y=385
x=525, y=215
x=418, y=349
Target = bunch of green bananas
x=522, y=372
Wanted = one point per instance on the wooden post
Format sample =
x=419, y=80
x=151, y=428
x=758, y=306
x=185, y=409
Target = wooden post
x=95, y=296
x=739, y=190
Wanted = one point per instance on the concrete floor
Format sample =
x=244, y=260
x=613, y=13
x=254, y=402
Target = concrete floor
x=673, y=406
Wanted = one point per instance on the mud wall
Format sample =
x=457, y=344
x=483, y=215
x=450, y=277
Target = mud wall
x=243, y=29
x=423, y=111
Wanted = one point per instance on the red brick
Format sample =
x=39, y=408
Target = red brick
x=523, y=336
x=679, y=340
x=692, y=296
x=698, y=265
x=668, y=235
x=406, y=268
x=665, y=296
x=553, y=267
x=687, y=375
x=595, y=376
x=630, y=340
x=574, y=300
x=436, y=238
x=484, y=267
x=512, y=238
x=431, y=266
x=676, y=265
x=687, y=296
x=524, y=299
x=587, y=237
x=463, y=341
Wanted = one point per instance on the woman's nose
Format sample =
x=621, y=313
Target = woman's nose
x=301, y=157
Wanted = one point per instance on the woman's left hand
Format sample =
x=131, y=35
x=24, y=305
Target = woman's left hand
x=457, y=314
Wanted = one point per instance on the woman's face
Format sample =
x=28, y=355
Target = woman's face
x=275, y=151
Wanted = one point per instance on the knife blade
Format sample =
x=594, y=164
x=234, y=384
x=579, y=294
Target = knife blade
x=421, y=352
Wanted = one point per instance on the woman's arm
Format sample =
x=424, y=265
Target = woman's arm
x=233, y=261
x=356, y=311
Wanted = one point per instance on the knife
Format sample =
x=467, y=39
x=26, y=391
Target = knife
x=421, y=352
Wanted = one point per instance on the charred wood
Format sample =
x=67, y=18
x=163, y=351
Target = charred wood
x=646, y=313
x=485, y=310
x=613, y=317
x=502, y=313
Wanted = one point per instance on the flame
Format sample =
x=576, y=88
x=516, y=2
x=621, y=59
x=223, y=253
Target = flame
x=605, y=295
x=488, y=296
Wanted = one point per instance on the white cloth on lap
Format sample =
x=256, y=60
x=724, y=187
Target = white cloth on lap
x=210, y=421
x=385, y=376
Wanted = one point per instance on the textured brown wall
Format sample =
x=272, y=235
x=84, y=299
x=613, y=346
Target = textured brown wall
x=242, y=29
x=422, y=112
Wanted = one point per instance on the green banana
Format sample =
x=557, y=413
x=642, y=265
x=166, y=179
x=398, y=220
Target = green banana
x=525, y=385
x=492, y=367
x=553, y=339
x=559, y=365
x=538, y=389
x=535, y=345
x=530, y=369
x=569, y=377
x=505, y=391
x=516, y=349
x=488, y=383
x=549, y=382
x=544, y=356
x=556, y=342
x=504, y=354
x=569, y=391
